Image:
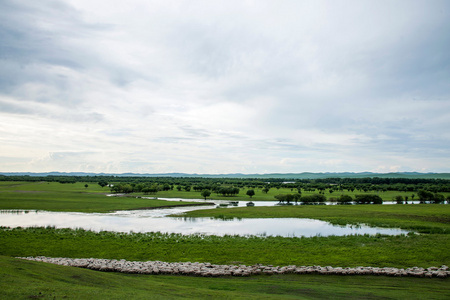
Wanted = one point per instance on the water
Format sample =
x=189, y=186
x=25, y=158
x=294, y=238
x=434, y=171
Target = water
x=262, y=203
x=156, y=220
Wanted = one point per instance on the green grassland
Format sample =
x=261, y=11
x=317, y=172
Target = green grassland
x=424, y=218
x=23, y=279
x=26, y=279
x=54, y=196
x=345, y=251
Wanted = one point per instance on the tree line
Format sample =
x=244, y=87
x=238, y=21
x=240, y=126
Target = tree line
x=369, y=184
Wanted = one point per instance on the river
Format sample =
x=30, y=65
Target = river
x=158, y=220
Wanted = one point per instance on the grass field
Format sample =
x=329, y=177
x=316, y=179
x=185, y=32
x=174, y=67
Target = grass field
x=344, y=251
x=27, y=280
x=24, y=279
x=53, y=196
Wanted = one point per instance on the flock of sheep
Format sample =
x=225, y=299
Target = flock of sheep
x=211, y=270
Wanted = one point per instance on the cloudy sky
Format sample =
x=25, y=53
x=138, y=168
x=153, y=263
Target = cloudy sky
x=224, y=86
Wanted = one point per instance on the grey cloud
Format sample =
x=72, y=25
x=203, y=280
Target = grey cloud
x=117, y=132
x=196, y=132
x=374, y=74
x=14, y=108
x=39, y=37
x=35, y=32
x=49, y=112
x=69, y=155
x=173, y=140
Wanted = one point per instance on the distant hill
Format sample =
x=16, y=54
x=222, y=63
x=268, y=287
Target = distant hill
x=304, y=175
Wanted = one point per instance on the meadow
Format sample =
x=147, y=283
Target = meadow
x=54, y=196
x=23, y=279
x=401, y=251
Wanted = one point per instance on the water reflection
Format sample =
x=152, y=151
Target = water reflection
x=154, y=220
x=243, y=203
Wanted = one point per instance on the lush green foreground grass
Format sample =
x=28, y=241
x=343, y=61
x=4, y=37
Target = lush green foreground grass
x=54, y=196
x=347, y=251
x=425, y=218
x=25, y=279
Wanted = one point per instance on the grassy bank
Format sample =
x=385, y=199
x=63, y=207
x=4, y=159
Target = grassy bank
x=425, y=218
x=347, y=251
x=53, y=196
x=25, y=279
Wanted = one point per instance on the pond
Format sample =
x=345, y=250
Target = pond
x=157, y=220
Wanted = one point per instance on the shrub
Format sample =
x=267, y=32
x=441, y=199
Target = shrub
x=345, y=199
x=368, y=199
x=316, y=198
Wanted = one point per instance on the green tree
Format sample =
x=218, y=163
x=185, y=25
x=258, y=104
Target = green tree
x=228, y=191
x=102, y=183
x=206, y=193
x=399, y=199
x=425, y=195
x=368, y=199
x=288, y=198
x=250, y=193
x=315, y=198
x=438, y=198
x=343, y=199
x=126, y=188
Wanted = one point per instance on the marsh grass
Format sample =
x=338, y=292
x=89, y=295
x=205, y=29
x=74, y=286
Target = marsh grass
x=347, y=251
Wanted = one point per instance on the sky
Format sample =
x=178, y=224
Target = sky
x=217, y=87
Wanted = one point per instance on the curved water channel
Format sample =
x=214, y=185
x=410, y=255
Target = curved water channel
x=158, y=220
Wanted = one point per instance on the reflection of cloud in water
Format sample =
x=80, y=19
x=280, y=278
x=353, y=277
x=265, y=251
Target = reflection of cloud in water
x=151, y=220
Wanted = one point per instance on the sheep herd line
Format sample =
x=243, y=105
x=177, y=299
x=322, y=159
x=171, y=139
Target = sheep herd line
x=212, y=270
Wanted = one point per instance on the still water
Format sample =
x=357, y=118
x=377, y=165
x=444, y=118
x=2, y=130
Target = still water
x=157, y=220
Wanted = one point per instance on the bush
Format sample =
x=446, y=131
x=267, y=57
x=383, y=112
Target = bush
x=345, y=199
x=368, y=199
x=399, y=199
x=316, y=198
x=425, y=195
